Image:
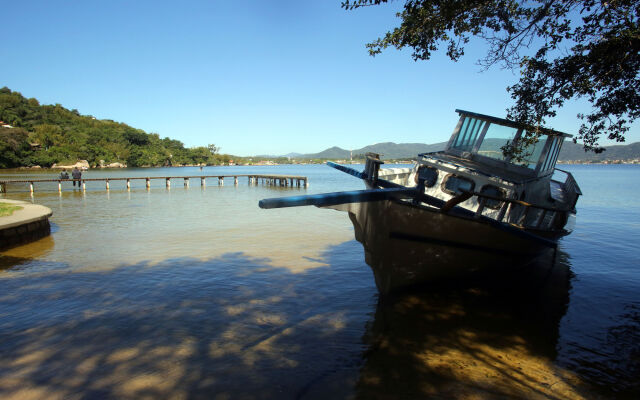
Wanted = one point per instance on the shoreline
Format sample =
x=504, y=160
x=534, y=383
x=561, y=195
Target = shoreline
x=25, y=225
x=57, y=169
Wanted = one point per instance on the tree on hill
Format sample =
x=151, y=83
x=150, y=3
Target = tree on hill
x=14, y=146
x=48, y=134
x=564, y=50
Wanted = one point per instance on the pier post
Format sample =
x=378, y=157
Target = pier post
x=235, y=180
x=306, y=183
x=3, y=188
x=202, y=183
x=221, y=180
x=59, y=187
x=168, y=183
x=107, y=185
x=84, y=186
x=30, y=187
x=128, y=183
x=186, y=182
x=148, y=183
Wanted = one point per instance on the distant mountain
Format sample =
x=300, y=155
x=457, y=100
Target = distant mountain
x=400, y=150
x=334, y=152
x=575, y=152
x=389, y=150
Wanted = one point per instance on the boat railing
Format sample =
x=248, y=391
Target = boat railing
x=519, y=213
x=569, y=187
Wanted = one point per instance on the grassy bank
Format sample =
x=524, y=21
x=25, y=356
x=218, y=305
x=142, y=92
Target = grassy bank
x=7, y=209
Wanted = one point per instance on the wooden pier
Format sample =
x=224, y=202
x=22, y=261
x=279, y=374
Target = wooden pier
x=253, y=179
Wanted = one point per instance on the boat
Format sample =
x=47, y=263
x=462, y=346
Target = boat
x=468, y=210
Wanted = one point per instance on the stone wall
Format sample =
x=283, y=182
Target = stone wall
x=28, y=232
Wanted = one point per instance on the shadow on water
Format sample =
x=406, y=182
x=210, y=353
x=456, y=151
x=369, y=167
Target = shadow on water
x=491, y=338
x=236, y=327
x=25, y=255
x=229, y=327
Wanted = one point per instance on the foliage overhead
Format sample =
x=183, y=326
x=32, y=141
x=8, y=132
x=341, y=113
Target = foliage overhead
x=564, y=50
x=51, y=134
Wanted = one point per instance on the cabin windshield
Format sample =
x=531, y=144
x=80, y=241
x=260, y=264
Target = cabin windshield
x=486, y=136
x=497, y=136
x=470, y=131
x=531, y=154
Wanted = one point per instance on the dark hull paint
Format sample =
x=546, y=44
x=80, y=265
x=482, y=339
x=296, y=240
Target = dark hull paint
x=407, y=245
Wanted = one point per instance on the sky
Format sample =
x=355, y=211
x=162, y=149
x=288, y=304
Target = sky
x=250, y=76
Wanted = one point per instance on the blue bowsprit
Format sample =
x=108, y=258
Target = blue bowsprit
x=335, y=198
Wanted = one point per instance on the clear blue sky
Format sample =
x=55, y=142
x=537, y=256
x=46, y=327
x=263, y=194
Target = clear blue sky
x=253, y=76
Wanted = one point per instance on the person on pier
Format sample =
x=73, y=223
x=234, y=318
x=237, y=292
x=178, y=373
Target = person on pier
x=76, y=174
x=64, y=174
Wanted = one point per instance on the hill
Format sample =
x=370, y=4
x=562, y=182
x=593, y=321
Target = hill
x=389, y=150
x=575, y=152
x=47, y=134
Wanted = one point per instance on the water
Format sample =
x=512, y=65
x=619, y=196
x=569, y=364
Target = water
x=198, y=293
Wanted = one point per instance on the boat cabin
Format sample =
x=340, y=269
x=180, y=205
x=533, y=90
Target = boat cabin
x=501, y=186
x=482, y=139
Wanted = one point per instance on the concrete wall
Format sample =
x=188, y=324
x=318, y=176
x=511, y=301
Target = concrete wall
x=28, y=232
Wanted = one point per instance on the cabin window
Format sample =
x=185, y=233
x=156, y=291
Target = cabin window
x=552, y=155
x=468, y=134
x=455, y=185
x=496, y=137
x=495, y=191
x=531, y=154
x=429, y=174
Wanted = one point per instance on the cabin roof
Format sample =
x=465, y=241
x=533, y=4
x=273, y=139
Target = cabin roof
x=513, y=124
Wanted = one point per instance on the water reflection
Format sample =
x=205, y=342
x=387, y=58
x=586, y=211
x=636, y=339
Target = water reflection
x=23, y=255
x=236, y=327
x=229, y=327
x=484, y=339
x=200, y=294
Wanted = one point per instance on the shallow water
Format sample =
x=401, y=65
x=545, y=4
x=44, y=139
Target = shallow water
x=198, y=293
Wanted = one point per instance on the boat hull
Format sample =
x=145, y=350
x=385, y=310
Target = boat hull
x=406, y=245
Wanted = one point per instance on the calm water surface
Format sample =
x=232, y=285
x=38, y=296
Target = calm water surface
x=198, y=293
